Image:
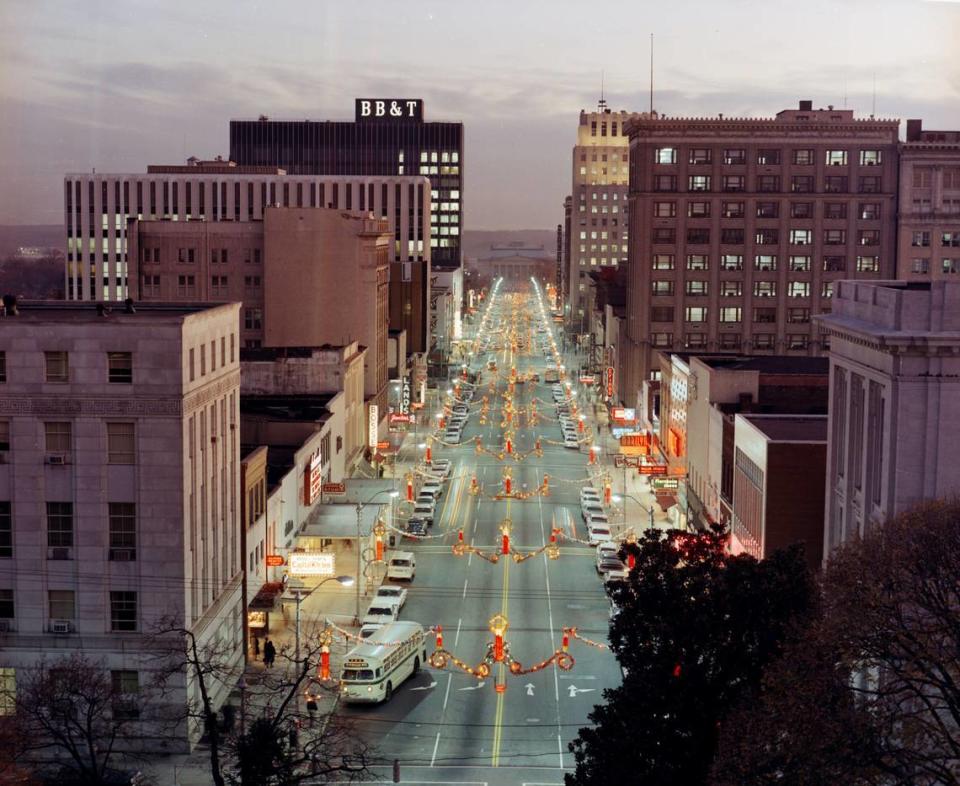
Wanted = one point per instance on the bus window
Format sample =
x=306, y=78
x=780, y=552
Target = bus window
x=357, y=674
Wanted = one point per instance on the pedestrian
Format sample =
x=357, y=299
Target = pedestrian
x=293, y=737
x=269, y=653
x=311, y=707
x=256, y=646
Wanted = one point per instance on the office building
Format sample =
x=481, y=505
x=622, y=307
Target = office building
x=740, y=229
x=290, y=270
x=894, y=401
x=119, y=483
x=597, y=212
x=929, y=214
x=98, y=208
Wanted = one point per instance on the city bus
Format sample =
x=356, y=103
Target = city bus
x=373, y=670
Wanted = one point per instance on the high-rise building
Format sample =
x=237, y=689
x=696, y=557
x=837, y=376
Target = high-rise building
x=894, y=401
x=119, y=481
x=739, y=229
x=99, y=206
x=929, y=214
x=290, y=271
x=598, y=210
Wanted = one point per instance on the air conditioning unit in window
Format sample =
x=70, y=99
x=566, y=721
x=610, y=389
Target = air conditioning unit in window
x=58, y=459
x=6, y=626
x=122, y=555
x=59, y=552
x=61, y=626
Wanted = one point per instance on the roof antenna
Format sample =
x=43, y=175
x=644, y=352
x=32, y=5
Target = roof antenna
x=651, y=73
x=602, y=105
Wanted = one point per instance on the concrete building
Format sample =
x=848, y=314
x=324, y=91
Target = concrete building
x=777, y=484
x=290, y=270
x=929, y=209
x=740, y=229
x=120, y=486
x=98, y=207
x=597, y=236
x=894, y=401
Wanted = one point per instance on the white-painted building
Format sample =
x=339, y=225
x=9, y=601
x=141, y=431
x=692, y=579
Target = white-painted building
x=119, y=483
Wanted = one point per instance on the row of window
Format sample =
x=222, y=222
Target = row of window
x=866, y=211
x=124, y=684
x=58, y=440
x=213, y=355
x=767, y=157
x=759, y=341
x=765, y=236
x=921, y=239
x=728, y=314
x=947, y=266
x=187, y=285
x=699, y=288
x=799, y=184
x=797, y=263
x=62, y=610
x=122, y=529
x=56, y=367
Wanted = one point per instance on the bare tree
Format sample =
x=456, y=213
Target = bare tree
x=285, y=744
x=70, y=711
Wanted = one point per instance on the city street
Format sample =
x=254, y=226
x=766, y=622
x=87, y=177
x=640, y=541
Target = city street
x=446, y=726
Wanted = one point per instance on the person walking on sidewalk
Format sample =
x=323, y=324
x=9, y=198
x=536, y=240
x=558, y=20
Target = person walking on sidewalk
x=269, y=653
x=256, y=647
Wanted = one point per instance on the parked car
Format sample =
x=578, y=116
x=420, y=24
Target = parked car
x=612, y=569
x=380, y=612
x=571, y=442
x=416, y=526
x=453, y=435
x=423, y=511
x=589, y=507
x=392, y=593
x=599, y=531
x=589, y=492
x=433, y=488
x=606, y=550
x=440, y=467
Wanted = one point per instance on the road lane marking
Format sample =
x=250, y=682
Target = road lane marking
x=574, y=690
x=465, y=588
x=529, y=686
x=456, y=638
x=479, y=685
x=446, y=694
x=553, y=640
x=435, y=746
x=425, y=687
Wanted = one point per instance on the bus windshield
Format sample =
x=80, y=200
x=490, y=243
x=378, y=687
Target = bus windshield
x=355, y=675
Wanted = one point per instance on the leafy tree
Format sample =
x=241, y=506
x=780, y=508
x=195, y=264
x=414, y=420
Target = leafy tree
x=696, y=627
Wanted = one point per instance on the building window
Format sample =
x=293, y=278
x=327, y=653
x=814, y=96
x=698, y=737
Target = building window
x=664, y=209
x=834, y=237
x=801, y=237
x=732, y=210
x=698, y=235
x=120, y=367
x=835, y=184
x=800, y=264
x=729, y=341
x=798, y=316
x=768, y=209
x=869, y=185
x=665, y=155
x=798, y=341
x=801, y=184
x=835, y=210
x=835, y=264
x=869, y=211
x=58, y=436
x=665, y=183
x=920, y=266
x=764, y=315
x=768, y=157
x=920, y=239
x=218, y=285
x=826, y=290
x=733, y=183
x=698, y=262
x=798, y=289
x=186, y=286
x=6, y=530
x=765, y=288
x=253, y=318
x=4, y=436
x=185, y=256
x=6, y=613
x=871, y=157
x=696, y=288
x=868, y=237
x=62, y=604
x=731, y=288
x=123, y=529
x=698, y=210
x=950, y=239
x=951, y=266
x=836, y=158
x=768, y=183
x=659, y=287
x=701, y=155
x=730, y=314
x=803, y=157
x=57, y=366
x=666, y=235
x=730, y=236
x=767, y=236
x=734, y=156
x=731, y=262
x=801, y=210
x=661, y=314
x=3, y=367
x=123, y=611
x=696, y=340
x=663, y=261
x=121, y=445
x=151, y=286
x=125, y=686
x=696, y=314
x=661, y=339
x=699, y=182
x=254, y=282
x=59, y=524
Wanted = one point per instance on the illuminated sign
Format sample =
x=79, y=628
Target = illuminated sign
x=397, y=418
x=652, y=469
x=665, y=484
x=305, y=563
x=386, y=109
x=274, y=560
x=587, y=379
x=312, y=479
x=334, y=488
x=373, y=423
x=405, y=396
x=624, y=413
x=609, y=381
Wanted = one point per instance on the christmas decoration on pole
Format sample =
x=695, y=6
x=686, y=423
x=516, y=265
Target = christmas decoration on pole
x=409, y=488
x=429, y=454
x=379, y=531
x=505, y=526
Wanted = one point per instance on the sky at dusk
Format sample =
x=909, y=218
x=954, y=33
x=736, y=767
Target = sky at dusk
x=118, y=85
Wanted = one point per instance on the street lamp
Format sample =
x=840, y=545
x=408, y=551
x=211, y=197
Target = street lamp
x=619, y=498
x=344, y=581
x=360, y=505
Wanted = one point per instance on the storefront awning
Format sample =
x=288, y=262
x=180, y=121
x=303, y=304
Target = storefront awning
x=340, y=521
x=266, y=598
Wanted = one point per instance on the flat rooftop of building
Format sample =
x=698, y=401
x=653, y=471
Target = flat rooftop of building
x=111, y=311
x=280, y=460
x=310, y=408
x=279, y=353
x=791, y=428
x=767, y=364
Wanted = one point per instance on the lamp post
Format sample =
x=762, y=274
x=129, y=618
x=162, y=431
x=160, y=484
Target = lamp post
x=344, y=581
x=360, y=505
x=624, y=498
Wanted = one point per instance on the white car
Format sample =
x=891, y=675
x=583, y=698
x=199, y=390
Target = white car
x=599, y=532
x=453, y=435
x=612, y=569
x=433, y=488
x=424, y=511
x=606, y=550
x=590, y=508
x=589, y=493
x=380, y=612
x=391, y=593
x=440, y=467
x=571, y=442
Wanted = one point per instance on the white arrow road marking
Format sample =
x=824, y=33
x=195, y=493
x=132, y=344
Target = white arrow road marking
x=574, y=690
x=478, y=686
x=431, y=685
x=529, y=687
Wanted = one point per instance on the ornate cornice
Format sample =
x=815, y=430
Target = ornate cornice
x=89, y=407
x=212, y=391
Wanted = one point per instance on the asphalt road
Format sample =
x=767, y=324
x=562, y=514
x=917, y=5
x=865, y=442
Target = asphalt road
x=443, y=725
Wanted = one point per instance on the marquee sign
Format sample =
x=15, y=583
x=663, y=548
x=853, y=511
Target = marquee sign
x=305, y=563
x=609, y=381
x=373, y=424
x=312, y=479
x=405, y=396
x=387, y=109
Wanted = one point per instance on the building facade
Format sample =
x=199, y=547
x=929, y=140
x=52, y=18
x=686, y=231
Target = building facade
x=740, y=229
x=98, y=208
x=120, y=484
x=929, y=209
x=597, y=236
x=894, y=401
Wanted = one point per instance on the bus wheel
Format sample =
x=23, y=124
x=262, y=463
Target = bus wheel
x=389, y=691
x=416, y=665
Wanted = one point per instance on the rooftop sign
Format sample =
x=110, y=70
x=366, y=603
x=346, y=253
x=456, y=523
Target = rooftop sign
x=389, y=109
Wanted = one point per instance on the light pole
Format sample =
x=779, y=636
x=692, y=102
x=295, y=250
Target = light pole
x=344, y=581
x=360, y=505
x=624, y=498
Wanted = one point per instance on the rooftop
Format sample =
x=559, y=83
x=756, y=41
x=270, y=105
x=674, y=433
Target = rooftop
x=113, y=312
x=767, y=364
x=790, y=428
x=267, y=354
x=303, y=408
